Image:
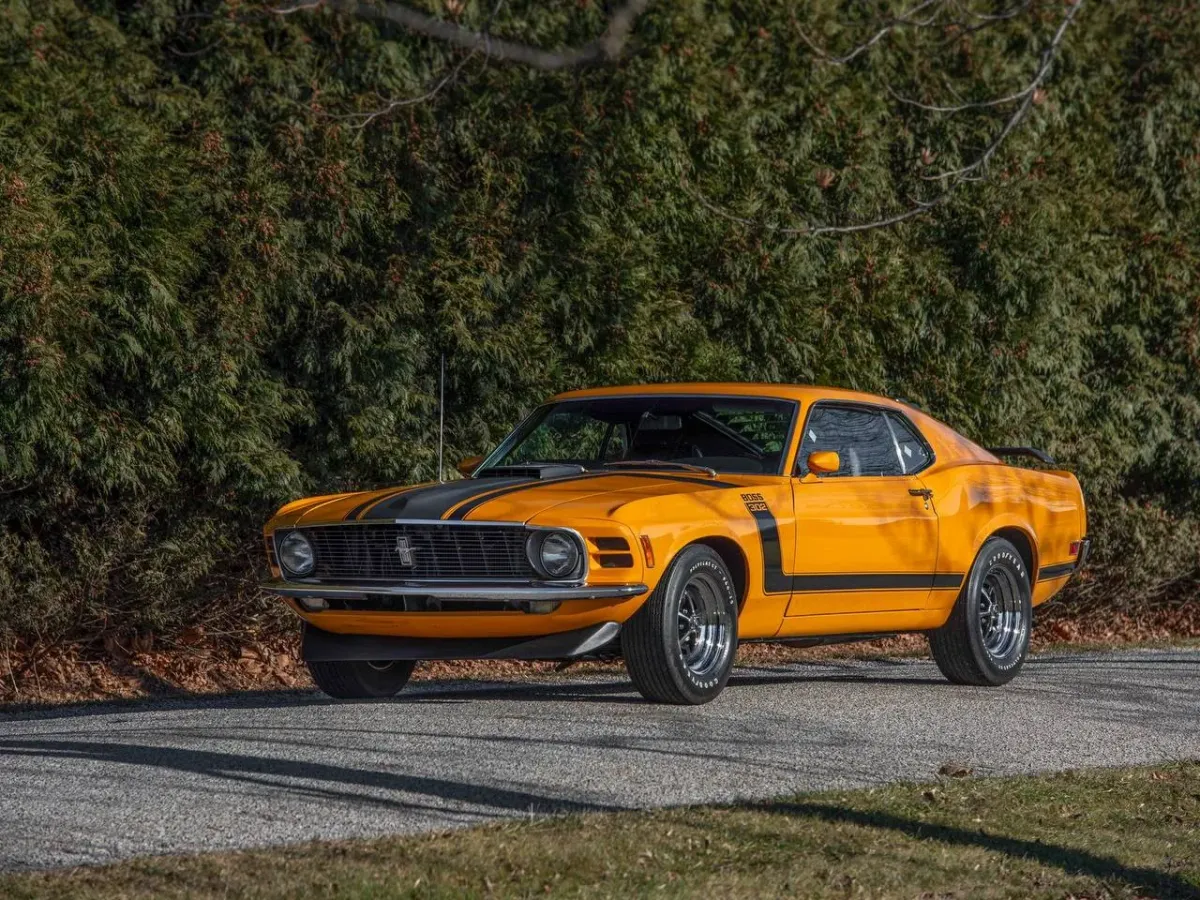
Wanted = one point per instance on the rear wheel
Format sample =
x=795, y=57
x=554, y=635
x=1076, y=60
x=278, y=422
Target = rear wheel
x=361, y=680
x=679, y=646
x=986, y=638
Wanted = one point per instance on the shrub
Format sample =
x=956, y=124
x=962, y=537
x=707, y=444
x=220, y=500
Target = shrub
x=219, y=289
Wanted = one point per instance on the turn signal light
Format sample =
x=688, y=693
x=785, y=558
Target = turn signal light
x=648, y=551
x=1074, y=548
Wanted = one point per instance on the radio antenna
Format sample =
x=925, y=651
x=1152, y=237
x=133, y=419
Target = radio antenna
x=441, y=416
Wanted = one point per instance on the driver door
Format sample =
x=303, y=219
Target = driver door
x=867, y=534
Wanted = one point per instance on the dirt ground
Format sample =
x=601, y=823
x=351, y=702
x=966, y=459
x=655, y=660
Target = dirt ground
x=196, y=662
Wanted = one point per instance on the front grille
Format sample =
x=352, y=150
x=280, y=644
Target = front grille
x=444, y=550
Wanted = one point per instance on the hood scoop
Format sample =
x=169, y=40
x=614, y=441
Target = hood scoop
x=540, y=471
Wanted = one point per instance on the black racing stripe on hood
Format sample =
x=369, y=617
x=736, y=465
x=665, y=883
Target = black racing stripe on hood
x=462, y=511
x=354, y=513
x=360, y=511
x=475, y=502
x=435, y=500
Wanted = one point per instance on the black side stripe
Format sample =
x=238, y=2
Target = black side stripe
x=1048, y=573
x=470, y=505
x=872, y=581
x=776, y=581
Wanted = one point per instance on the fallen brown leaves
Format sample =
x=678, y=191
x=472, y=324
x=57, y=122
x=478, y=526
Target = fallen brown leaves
x=194, y=662
x=114, y=668
x=956, y=770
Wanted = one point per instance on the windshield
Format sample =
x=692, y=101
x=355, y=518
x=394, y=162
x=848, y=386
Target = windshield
x=726, y=434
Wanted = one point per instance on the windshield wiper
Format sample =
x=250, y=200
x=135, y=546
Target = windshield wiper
x=542, y=470
x=660, y=464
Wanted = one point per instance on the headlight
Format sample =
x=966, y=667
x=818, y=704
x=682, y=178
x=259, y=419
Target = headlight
x=296, y=554
x=555, y=555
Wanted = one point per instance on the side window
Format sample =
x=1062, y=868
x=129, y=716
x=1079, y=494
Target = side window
x=914, y=455
x=861, y=438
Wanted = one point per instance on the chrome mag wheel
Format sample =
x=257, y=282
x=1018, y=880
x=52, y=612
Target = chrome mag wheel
x=1002, y=620
x=679, y=646
x=986, y=637
x=704, y=626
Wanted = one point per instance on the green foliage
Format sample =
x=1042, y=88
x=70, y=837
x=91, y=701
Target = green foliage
x=220, y=288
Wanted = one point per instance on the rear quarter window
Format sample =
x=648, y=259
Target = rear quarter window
x=914, y=453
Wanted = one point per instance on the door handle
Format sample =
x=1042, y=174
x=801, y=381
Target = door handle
x=925, y=493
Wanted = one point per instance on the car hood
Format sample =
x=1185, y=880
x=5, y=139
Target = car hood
x=517, y=499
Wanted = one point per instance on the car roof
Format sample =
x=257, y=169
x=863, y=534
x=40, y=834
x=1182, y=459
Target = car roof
x=801, y=392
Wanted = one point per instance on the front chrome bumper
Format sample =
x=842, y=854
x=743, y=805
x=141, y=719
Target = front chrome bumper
x=467, y=591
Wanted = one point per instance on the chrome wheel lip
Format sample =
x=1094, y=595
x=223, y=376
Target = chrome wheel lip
x=1002, y=622
x=703, y=628
x=381, y=666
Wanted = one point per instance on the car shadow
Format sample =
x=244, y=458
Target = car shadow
x=604, y=689
x=618, y=690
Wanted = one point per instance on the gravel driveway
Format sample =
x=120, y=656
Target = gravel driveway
x=95, y=783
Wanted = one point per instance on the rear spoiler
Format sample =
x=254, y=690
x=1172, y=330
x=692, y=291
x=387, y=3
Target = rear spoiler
x=1032, y=452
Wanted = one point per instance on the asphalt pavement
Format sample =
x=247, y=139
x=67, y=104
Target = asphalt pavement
x=100, y=782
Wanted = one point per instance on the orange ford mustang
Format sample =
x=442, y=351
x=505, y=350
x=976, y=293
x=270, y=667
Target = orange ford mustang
x=666, y=523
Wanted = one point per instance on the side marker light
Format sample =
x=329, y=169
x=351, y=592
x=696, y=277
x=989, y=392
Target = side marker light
x=648, y=551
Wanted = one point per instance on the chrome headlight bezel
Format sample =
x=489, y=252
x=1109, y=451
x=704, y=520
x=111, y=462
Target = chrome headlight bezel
x=544, y=544
x=296, y=539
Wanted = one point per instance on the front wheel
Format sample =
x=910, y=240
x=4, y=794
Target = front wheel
x=679, y=646
x=361, y=680
x=986, y=638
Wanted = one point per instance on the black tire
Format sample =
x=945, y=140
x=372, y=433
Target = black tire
x=673, y=662
x=361, y=680
x=986, y=638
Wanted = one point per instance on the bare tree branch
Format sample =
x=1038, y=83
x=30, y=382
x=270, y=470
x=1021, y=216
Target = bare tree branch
x=362, y=120
x=967, y=22
x=188, y=53
x=976, y=170
x=1029, y=95
x=908, y=18
x=962, y=107
x=918, y=207
x=609, y=46
x=1009, y=13
x=1030, y=90
x=297, y=7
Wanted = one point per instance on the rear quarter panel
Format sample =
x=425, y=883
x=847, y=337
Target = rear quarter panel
x=976, y=499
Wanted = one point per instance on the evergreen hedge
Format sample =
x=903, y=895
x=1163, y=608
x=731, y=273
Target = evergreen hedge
x=220, y=288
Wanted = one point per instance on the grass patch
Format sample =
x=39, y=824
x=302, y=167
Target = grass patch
x=1109, y=833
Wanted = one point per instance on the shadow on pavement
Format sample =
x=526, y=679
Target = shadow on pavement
x=327, y=781
x=615, y=691
x=618, y=690
x=1144, y=881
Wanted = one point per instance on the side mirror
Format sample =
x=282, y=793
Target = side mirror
x=469, y=465
x=824, y=462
